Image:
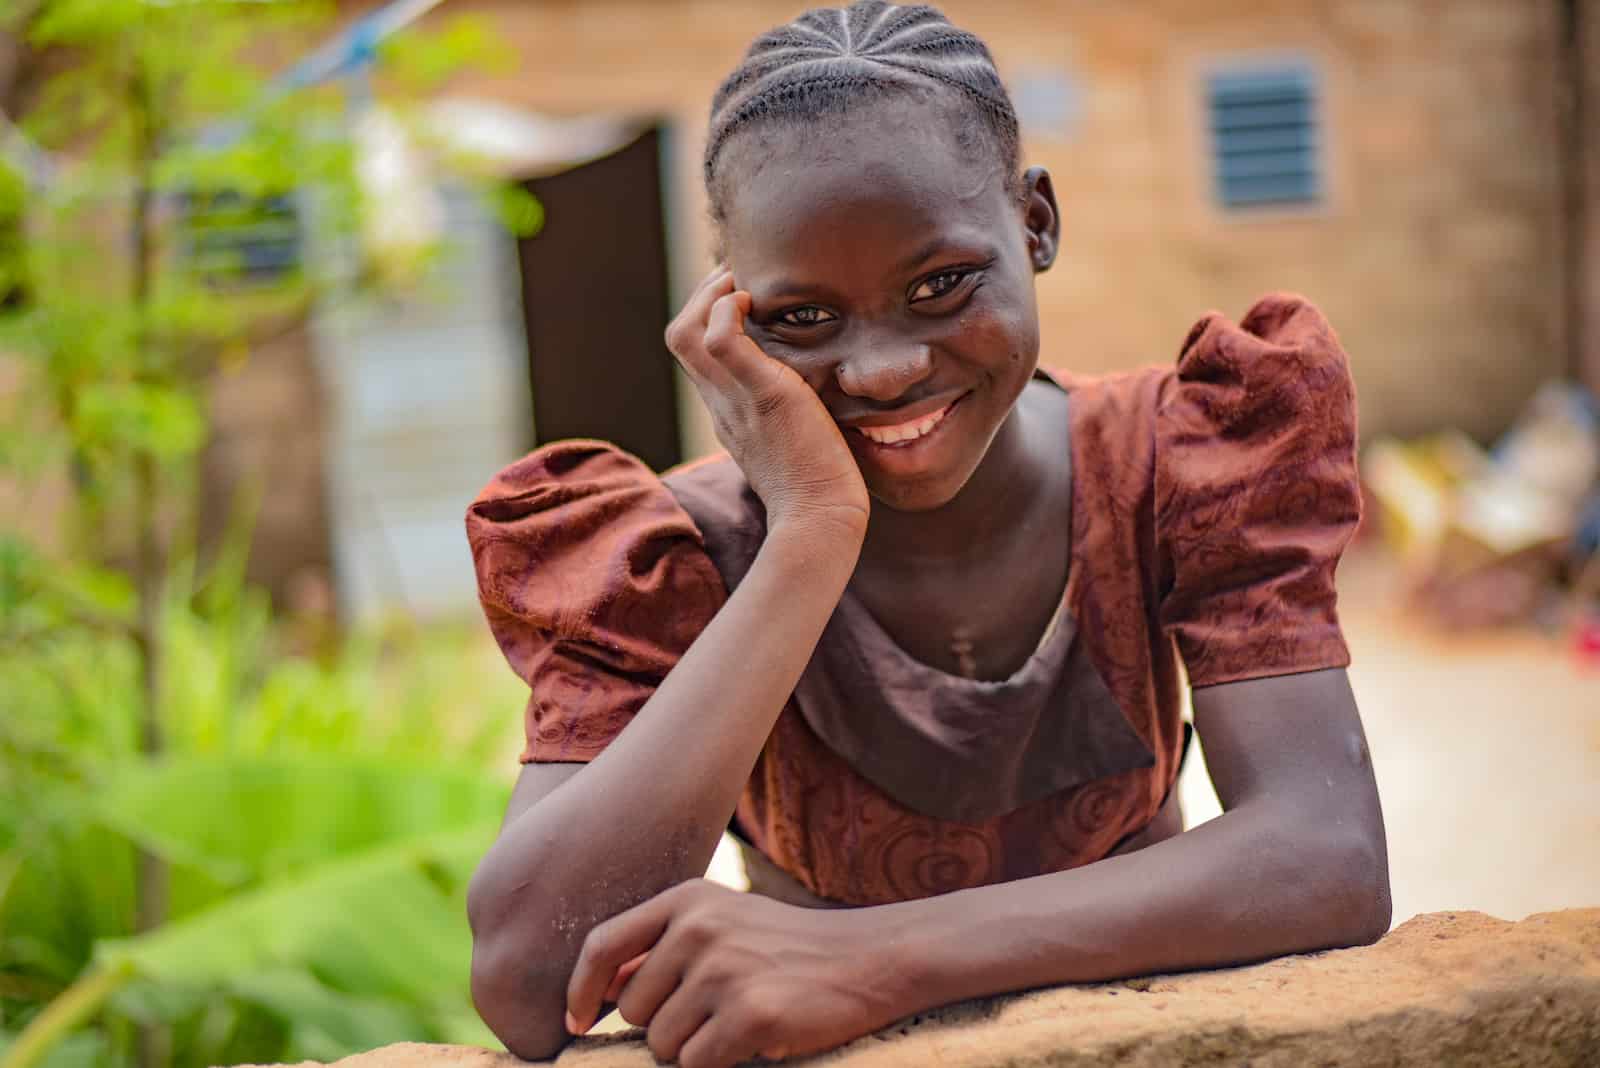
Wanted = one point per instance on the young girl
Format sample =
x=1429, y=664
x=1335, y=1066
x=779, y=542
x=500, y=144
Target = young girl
x=915, y=637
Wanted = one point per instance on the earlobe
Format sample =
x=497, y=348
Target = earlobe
x=1041, y=217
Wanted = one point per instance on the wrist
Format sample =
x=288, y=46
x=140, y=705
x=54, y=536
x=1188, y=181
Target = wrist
x=889, y=944
x=827, y=540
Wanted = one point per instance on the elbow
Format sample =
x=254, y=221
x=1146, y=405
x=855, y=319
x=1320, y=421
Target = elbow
x=518, y=983
x=520, y=1005
x=1355, y=899
x=1330, y=880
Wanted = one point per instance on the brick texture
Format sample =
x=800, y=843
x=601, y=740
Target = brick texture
x=1436, y=253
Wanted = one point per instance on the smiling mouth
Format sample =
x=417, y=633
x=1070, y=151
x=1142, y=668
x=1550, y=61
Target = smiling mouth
x=903, y=434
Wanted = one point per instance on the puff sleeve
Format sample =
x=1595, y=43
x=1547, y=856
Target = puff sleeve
x=594, y=582
x=1256, y=493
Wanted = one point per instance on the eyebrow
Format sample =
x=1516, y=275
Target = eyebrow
x=786, y=289
x=790, y=287
x=921, y=256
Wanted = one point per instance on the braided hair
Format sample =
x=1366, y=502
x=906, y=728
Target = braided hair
x=832, y=60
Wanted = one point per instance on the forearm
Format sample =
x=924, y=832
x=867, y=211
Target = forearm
x=648, y=812
x=1255, y=883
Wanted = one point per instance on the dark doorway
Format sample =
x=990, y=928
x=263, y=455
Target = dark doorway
x=594, y=295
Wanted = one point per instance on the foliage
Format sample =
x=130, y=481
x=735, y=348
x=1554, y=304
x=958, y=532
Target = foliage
x=308, y=808
x=218, y=841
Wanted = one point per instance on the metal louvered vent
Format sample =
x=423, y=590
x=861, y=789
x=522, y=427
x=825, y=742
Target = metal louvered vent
x=1264, y=135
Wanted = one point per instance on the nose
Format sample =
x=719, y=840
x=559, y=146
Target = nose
x=883, y=368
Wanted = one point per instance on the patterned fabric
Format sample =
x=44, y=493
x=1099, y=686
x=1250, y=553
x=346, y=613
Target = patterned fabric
x=1209, y=508
x=960, y=749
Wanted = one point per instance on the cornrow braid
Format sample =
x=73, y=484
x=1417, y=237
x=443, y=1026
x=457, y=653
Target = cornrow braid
x=832, y=59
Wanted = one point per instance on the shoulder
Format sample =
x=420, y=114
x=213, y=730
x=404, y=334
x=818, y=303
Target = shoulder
x=1115, y=413
x=1278, y=376
x=1281, y=367
x=1256, y=491
x=1260, y=417
x=579, y=537
x=1255, y=407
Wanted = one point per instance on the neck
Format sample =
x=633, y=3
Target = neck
x=996, y=502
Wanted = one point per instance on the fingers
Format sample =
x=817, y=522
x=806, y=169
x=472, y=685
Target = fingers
x=685, y=335
x=651, y=985
x=713, y=285
x=718, y=1043
x=673, y=1024
x=731, y=347
x=712, y=277
x=624, y=973
x=610, y=946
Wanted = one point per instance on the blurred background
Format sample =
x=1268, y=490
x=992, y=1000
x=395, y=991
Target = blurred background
x=282, y=284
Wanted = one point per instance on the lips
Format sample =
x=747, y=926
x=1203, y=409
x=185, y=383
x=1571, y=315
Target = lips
x=903, y=443
x=906, y=432
x=905, y=417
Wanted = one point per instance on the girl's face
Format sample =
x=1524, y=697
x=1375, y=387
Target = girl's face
x=893, y=270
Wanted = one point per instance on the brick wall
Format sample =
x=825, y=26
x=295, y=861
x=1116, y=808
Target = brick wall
x=1435, y=253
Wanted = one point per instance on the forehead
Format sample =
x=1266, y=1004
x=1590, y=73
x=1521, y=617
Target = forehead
x=863, y=185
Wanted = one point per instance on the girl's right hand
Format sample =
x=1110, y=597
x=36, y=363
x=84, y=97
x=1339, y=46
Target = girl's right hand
x=774, y=426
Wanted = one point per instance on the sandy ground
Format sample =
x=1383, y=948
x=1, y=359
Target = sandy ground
x=1487, y=750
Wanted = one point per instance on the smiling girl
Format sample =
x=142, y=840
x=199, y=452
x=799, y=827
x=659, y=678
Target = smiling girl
x=914, y=638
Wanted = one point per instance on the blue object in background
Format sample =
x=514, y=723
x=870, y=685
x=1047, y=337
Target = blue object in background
x=1265, y=135
x=1586, y=541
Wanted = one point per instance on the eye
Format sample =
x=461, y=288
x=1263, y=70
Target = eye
x=939, y=285
x=810, y=315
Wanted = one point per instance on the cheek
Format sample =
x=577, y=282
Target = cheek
x=813, y=365
x=1019, y=323
x=999, y=336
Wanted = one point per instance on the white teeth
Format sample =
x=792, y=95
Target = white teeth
x=891, y=435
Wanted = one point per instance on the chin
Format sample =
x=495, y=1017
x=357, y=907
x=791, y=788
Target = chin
x=916, y=495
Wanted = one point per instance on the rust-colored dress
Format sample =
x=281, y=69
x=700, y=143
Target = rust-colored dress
x=1210, y=505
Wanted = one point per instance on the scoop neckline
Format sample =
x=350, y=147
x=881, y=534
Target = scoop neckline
x=1058, y=618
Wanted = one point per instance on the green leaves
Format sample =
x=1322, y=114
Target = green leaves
x=269, y=818
x=161, y=420
x=299, y=789
x=386, y=923
x=349, y=924
x=424, y=62
x=37, y=592
x=324, y=1023
x=78, y=22
x=519, y=210
x=321, y=798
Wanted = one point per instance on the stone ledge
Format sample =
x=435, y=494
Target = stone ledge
x=1448, y=988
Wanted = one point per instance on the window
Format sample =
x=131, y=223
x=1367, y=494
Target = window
x=1265, y=136
x=231, y=239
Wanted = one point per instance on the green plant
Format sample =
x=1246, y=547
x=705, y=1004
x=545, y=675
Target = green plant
x=306, y=810
x=212, y=847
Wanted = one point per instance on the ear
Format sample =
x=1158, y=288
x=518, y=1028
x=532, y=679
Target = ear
x=1041, y=218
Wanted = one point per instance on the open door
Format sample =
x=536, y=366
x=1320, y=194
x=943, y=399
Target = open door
x=596, y=305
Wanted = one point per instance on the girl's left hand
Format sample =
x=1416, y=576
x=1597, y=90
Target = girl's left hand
x=719, y=976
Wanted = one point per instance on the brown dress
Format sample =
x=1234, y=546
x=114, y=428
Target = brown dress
x=1210, y=505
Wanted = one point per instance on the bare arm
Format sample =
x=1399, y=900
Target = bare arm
x=581, y=845
x=1297, y=862
x=647, y=813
